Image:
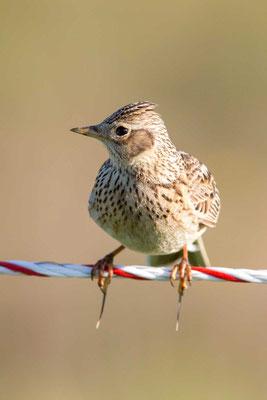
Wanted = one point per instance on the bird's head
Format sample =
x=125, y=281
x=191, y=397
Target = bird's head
x=130, y=132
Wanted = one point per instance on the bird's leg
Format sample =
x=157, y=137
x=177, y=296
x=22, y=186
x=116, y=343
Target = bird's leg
x=99, y=268
x=184, y=272
x=184, y=269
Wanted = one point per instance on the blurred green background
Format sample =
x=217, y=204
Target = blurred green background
x=73, y=62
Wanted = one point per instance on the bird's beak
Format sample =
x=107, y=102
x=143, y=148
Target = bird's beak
x=92, y=131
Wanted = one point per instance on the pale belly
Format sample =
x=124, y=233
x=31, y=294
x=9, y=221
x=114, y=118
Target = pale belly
x=146, y=239
x=137, y=222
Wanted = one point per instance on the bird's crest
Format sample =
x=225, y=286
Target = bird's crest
x=131, y=111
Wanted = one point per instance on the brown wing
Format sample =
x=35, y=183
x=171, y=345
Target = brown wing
x=201, y=191
x=192, y=200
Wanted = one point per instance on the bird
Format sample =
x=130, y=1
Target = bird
x=149, y=196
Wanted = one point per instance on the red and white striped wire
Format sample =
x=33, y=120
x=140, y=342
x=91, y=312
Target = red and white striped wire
x=45, y=269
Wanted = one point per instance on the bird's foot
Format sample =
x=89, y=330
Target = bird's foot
x=99, y=269
x=103, y=282
x=185, y=275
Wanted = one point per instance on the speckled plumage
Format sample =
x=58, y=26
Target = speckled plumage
x=149, y=196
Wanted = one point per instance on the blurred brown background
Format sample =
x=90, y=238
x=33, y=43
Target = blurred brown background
x=69, y=63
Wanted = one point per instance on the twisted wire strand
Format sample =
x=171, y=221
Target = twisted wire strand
x=45, y=269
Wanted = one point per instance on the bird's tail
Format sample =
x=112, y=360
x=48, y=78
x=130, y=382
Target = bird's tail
x=197, y=255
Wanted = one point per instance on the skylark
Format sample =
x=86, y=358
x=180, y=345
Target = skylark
x=148, y=195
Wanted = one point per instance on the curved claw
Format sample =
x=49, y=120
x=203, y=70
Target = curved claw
x=173, y=275
x=103, y=283
x=184, y=268
x=99, y=270
x=185, y=275
x=188, y=274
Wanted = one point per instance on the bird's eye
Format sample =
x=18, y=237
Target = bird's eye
x=121, y=131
